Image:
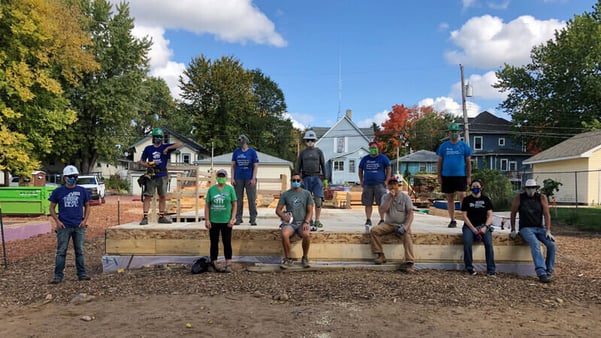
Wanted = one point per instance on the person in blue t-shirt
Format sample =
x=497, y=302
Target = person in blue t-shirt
x=71, y=222
x=374, y=173
x=245, y=164
x=454, y=169
x=155, y=158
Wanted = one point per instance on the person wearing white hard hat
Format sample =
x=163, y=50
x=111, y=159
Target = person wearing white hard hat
x=71, y=222
x=312, y=168
x=533, y=208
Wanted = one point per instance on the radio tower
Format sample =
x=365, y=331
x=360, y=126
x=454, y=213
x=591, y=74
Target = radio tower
x=339, y=116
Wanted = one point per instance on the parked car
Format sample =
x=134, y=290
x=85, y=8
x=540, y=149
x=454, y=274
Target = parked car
x=94, y=186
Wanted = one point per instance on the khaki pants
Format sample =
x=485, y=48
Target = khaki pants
x=384, y=229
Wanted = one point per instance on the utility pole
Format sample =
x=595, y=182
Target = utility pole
x=465, y=91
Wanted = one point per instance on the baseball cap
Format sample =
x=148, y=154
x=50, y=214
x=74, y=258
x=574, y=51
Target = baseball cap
x=222, y=172
x=393, y=180
x=373, y=143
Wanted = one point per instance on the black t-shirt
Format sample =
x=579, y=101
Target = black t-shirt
x=477, y=208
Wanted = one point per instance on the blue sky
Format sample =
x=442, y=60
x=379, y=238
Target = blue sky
x=328, y=56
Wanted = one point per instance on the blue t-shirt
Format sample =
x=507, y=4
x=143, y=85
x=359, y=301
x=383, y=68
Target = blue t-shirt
x=245, y=163
x=453, y=158
x=374, y=169
x=71, y=202
x=154, y=153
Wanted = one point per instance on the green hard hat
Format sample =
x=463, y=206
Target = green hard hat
x=157, y=132
x=454, y=127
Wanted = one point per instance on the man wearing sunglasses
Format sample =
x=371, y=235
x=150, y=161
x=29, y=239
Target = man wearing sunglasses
x=71, y=222
x=295, y=209
x=311, y=165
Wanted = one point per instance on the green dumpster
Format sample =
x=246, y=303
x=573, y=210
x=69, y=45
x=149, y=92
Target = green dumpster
x=25, y=200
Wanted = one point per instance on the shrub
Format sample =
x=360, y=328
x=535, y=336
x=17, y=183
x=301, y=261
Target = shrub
x=496, y=186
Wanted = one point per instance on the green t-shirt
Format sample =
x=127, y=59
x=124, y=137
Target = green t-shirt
x=220, y=203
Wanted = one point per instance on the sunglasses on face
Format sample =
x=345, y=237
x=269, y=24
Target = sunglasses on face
x=296, y=180
x=71, y=176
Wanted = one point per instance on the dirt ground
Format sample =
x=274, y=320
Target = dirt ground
x=168, y=301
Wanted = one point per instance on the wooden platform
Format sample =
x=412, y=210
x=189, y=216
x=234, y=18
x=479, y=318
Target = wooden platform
x=344, y=240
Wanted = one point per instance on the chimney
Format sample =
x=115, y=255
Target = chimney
x=349, y=114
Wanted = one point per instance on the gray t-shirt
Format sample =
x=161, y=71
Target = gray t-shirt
x=400, y=206
x=296, y=202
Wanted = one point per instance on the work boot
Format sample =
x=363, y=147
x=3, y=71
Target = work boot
x=381, y=259
x=144, y=221
x=164, y=220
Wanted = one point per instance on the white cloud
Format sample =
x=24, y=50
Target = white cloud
x=498, y=5
x=152, y=17
x=481, y=87
x=487, y=42
x=468, y=3
x=234, y=21
x=378, y=119
x=448, y=105
x=299, y=121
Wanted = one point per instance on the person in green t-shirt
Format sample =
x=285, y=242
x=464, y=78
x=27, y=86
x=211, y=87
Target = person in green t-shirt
x=220, y=215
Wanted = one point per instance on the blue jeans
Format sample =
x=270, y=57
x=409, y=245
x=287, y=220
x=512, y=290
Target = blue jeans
x=468, y=240
x=314, y=185
x=532, y=236
x=62, y=237
x=251, y=195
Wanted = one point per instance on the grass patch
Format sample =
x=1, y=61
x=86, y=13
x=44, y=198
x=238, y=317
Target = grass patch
x=583, y=218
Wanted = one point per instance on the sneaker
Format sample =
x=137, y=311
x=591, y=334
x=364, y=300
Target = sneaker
x=491, y=275
x=238, y=222
x=214, y=268
x=313, y=228
x=544, y=278
x=144, y=221
x=228, y=269
x=367, y=229
x=305, y=262
x=56, y=280
x=452, y=224
x=253, y=223
x=286, y=263
x=381, y=221
x=318, y=224
x=381, y=259
x=84, y=277
x=164, y=220
x=472, y=272
x=368, y=222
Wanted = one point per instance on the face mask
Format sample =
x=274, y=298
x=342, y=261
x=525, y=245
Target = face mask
x=373, y=151
x=296, y=185
x=530, y=191
x=310, y=144
x=157, y=139
x=71, y=180
x=240, y=144
x=476, y=191
x=454, y=136
x=221, y=180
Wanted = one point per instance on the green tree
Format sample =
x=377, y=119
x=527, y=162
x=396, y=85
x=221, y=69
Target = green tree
x=217, y=95
x=496, y=186
x=110, y=98
x=158, y=109
x=43, y=49
x=548, y=98
x=428, y=129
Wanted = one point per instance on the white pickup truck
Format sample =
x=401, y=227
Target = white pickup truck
x=94, y=186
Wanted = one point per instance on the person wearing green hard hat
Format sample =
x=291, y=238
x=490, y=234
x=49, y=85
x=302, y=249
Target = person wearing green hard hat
x=154, y=159
x=454, y=169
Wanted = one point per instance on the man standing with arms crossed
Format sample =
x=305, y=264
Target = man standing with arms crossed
x=454, y=169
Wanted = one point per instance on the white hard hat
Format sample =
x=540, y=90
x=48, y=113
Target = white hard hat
x=310, y=135
x=531, y=183
x=70, y=170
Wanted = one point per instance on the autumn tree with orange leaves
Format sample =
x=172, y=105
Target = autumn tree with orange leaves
x=414, y=128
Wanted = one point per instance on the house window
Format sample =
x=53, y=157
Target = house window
x=338, y=165
x=340, y=145
x=351, y=166
x=186, y=158
x=422, y=167
x=513, y=165
x=477, y=142
x=504, y=164
x=501, y=141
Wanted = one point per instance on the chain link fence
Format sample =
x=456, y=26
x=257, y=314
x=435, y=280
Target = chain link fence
x=578, y=187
